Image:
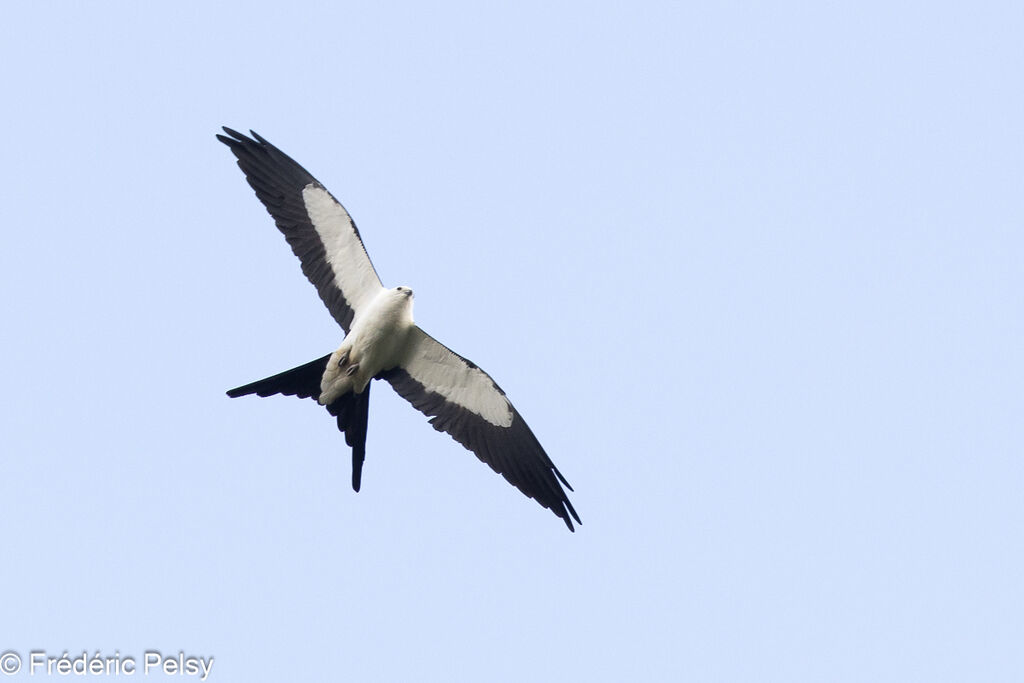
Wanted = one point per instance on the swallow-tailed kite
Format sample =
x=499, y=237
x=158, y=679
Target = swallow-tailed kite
x=382, y=341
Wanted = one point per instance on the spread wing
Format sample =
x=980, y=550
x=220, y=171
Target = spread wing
x=463, y=400
x=317, y=227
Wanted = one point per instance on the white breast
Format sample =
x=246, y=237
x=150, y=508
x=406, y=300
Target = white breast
x=377, y=341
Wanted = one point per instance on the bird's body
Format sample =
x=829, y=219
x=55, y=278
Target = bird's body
x=382, y=341
x=377, y=341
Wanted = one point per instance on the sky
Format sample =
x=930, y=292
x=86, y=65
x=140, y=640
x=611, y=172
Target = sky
x=751, y=272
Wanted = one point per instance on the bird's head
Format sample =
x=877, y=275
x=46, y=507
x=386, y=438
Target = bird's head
x=402, y=298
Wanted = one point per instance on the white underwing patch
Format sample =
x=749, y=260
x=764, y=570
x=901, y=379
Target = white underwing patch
x=353, y=272
x=441, y=371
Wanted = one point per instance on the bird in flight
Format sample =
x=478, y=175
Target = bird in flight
x=382, y=341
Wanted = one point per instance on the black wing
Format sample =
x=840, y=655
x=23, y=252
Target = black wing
x=316, y=225
x=463, y=400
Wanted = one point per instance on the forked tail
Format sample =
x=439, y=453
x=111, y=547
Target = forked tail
x=351, y=410
x=303, y=381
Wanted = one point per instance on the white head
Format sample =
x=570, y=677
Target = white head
x=403, y=297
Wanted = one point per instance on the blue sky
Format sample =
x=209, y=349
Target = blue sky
x=751, y=272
